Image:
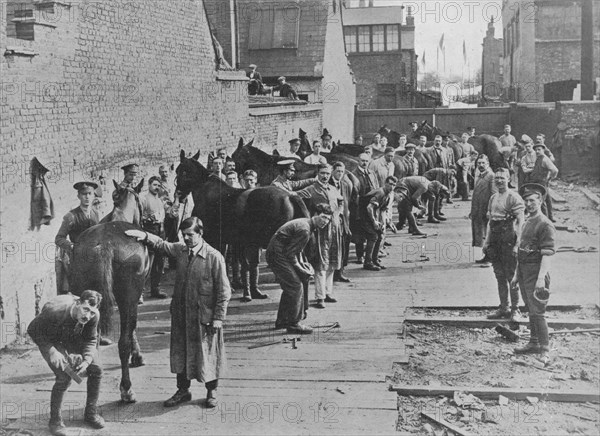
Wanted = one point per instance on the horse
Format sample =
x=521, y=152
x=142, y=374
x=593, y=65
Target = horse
x=430, y=131
x=305, y=147
x=115, y=265
x=235, y=216
x=492, y=148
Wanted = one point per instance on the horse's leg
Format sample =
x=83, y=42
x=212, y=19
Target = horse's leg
x=125, y=344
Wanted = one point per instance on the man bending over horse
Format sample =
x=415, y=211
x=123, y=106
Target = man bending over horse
x=66, y=332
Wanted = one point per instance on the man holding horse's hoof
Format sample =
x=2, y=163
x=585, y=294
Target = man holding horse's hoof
x=66, y=332
x=292, y=271
x=200, y=298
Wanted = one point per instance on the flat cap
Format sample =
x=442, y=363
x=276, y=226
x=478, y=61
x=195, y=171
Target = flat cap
x=291, y=141
x=410, y=145
x=526, y=138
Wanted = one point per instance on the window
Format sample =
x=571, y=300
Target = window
x=350, y=39
x=392, y=42
x=364, y=38
x=274, y=28
x=377, y=38
x=19, y=20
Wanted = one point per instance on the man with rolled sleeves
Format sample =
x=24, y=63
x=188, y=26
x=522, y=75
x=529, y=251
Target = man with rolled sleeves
x=483, y=189
x=66, y=332
x=374, y=218
x=284, y=179
x=292, y=271
x=503, y=237
x=543, y=172
x=533, y=267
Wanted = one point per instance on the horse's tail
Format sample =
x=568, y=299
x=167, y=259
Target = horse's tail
x=300, y=209
x=105, y=287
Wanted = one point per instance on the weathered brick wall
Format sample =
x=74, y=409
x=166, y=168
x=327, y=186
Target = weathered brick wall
x=580, y=143
x=111, y=82
x=370, y=69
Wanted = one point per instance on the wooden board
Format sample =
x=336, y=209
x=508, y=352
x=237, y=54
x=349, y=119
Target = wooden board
x=473, y=322
x=492, y=393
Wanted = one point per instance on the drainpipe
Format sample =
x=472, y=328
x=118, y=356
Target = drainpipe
x=233, y=33
x=587, y=50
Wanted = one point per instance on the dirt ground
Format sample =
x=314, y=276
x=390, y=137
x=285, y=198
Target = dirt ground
x=474, y=357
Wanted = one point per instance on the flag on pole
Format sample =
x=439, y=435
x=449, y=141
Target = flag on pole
x=423, y=59
x=464, y=51
x=441, y=44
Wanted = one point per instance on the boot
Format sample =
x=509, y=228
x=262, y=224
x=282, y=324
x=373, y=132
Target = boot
x=56, y=425
x=236, y=282
x=338, y=276
x=439, y=217
x=431, y=219
x=91, y=415
x=245, y=286
x=501, y=313
x=254, y=291
x=181, y=396
x=533, y=346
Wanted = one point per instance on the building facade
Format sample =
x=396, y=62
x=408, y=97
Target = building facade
x=542, y=48
x=302, y=41
x=381, y=50
x=492, y=64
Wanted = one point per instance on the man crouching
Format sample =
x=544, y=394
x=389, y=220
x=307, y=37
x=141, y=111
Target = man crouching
x=66, y=332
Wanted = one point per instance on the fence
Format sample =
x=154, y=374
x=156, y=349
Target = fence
x=485, y=119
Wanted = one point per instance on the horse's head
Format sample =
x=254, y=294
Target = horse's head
x=190, y=173
x=384, y=130
x=127, y=204
x=241, y=155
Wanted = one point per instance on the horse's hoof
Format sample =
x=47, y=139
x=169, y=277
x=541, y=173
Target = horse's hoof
x=128, y=396
x=137, y=361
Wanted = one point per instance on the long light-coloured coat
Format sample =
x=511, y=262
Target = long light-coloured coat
x=202, y=293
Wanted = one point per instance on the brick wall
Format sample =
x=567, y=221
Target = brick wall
x=110, y=82
x=580, y=140
x=385, y=68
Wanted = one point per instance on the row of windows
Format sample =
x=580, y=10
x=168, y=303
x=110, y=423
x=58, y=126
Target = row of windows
x=512, y=34
x=377, y=38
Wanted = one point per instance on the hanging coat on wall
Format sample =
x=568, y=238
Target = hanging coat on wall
x=42, y=206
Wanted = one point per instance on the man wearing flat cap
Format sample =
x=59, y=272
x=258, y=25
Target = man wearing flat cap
x=255, y=83
x=286, y=173
x=525, y=160
x=326, y=139
x=543, y=171
x=533, y=268
x=294, y=150
x=74, y=223
x=285, y=89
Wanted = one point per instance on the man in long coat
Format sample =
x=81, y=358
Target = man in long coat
x=198, y=309
x=328, y=256
x=483, y=190
x=367, y=182
x=349, y=193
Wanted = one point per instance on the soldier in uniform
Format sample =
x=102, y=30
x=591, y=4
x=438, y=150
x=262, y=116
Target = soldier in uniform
x=533, y=268
x=130, y=172
x=284, y=179
x=74, y=223
x=66, y=332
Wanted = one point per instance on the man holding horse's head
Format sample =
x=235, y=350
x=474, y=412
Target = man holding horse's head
x=130, y=172
x=286, y=173
x=74, y=223
x=200, y=299
x=66, y=332
x=217, y=168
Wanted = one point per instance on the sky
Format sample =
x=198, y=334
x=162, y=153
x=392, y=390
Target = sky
x=457, y=20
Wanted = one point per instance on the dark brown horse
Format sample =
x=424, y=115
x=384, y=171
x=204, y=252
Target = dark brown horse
x=491, y=147
x=108, y=261
x=235, y=216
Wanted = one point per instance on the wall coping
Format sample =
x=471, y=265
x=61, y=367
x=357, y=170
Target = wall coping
x=276, y=109
x=231, y=75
